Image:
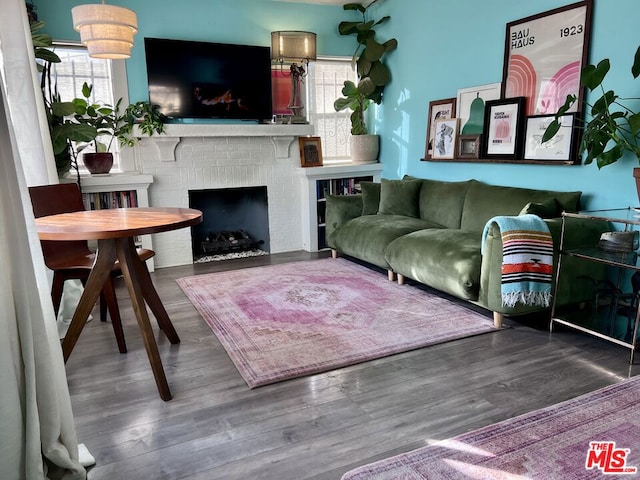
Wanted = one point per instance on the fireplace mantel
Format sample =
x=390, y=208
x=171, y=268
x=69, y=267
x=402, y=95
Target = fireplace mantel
x=281, y=135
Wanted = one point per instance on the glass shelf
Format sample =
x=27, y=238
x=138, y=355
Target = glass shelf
x=628, y=215
x=611, y=314
x=616, y=259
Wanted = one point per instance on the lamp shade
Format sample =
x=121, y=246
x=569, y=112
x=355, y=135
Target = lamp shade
x=293, y=46
x=106, y=30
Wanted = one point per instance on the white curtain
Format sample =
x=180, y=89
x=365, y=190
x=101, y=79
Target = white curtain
x=37, y=433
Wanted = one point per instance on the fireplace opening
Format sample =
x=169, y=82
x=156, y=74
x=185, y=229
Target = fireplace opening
x=235, y=223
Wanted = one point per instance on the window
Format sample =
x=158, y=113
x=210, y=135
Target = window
x=109, y=83
x=325, y=81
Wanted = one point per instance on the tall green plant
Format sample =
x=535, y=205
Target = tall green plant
x=373, y=75
x=614, y=126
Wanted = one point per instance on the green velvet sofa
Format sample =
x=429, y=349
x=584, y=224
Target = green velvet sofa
x=431, y=231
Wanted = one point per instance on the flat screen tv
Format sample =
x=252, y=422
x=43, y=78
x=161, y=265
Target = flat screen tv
x=189, y=79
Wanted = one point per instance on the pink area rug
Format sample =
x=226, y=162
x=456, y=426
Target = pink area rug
x=596, y=435
x=285, y=321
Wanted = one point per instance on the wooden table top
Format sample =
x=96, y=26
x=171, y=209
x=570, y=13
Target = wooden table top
x=115, y=223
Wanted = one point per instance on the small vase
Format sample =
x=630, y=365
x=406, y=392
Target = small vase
x=98, y=163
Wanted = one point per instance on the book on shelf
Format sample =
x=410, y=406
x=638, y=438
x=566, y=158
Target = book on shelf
x=102, y=200
x=339, y=186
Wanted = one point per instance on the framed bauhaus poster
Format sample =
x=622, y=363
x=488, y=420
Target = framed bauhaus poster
x=544, y=55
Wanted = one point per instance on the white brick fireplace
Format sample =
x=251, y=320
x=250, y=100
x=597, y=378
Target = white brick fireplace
x=198, y=157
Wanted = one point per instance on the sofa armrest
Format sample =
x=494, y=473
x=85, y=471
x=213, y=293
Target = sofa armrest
x=578, y=233
x=341, y=208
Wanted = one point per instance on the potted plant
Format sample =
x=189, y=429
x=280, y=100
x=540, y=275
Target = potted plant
x=97, y=125
x=614, y=126
x=373, y=76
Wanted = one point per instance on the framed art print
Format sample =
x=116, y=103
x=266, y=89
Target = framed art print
x=438, y=110
x=444, y=141
x=470, y=107
x=504, y=121
x=544, y=55
x=560, y=148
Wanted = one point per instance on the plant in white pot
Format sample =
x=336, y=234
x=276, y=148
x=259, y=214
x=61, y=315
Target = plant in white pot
x=373, y=77
x=614, y=124
x=101, y=124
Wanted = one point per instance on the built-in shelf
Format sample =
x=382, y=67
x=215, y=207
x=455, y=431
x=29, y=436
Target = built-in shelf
x=333, y=179
x=111, y=182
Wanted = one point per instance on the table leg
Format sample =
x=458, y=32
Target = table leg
x=126, y=252
x=101, y=270
x=153, y=300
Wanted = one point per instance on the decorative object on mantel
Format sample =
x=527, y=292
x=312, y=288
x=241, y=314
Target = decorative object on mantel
x=373, y=76
x=106, y=30
x=294, y=46
x=96, y=125
x=310, y=151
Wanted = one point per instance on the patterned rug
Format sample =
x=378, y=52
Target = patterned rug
x=596, y=435
x=285, y=321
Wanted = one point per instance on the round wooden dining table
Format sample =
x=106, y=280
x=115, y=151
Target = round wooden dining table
x=115, y=230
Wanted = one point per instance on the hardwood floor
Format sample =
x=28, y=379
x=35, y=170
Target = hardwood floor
x=316, y=427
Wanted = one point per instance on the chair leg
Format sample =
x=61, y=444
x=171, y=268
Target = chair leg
x=111, y=301
x=56, y=292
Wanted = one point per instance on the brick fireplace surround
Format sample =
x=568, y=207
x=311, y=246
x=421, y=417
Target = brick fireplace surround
x=197, y=157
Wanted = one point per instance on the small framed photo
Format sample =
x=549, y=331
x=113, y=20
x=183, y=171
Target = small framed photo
x=310, y=151
x=504, y=123
x=438, y=109
x=444, y=142
x=469, y=146
x=561, y=147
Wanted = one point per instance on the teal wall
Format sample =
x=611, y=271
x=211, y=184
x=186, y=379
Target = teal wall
x=443, y=46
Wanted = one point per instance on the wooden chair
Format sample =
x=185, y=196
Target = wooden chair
x=72, y=260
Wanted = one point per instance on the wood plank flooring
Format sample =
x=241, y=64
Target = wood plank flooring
x=316, y=427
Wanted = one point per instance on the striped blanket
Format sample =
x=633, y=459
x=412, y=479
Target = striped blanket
x=527, y=264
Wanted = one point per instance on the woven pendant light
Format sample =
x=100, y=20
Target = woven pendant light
x=106, y=30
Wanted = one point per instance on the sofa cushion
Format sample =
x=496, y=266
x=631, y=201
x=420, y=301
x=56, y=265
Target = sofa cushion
x=442, y=202
x=547, y=209
x=484, y=202
x=367, y=236
x=370, y=197
x=399, y=197
x=445, y=259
